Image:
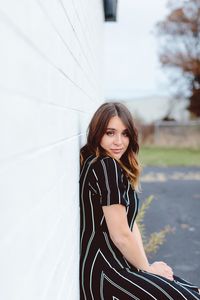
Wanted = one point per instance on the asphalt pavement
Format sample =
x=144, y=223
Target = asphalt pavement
x=176, y=202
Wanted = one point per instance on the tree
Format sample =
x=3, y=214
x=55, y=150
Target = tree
x=179, y=34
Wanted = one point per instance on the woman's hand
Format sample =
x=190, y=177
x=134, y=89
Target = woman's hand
x=161, y=268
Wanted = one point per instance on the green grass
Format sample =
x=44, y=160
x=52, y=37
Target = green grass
x=162, y=156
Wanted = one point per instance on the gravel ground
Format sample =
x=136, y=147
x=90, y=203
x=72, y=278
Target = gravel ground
x=176, y=203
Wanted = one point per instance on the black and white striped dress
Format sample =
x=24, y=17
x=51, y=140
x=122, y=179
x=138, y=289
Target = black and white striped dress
x=104, y=272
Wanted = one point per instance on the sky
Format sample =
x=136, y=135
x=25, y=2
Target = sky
x=132, y=71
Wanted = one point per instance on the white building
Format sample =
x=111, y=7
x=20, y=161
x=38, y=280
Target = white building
x=50, y=84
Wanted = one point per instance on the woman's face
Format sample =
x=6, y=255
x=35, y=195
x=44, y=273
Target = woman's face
x=116, y=139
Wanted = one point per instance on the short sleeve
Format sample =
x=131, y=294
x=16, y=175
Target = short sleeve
x=108, y=176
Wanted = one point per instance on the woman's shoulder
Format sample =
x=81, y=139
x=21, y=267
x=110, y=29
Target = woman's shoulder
x=104, y=158
x=102, y=162
x=107, y=163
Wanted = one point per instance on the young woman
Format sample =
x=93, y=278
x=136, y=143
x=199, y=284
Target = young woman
x=113, y=263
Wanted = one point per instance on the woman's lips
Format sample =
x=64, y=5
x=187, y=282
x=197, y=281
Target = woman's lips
x=116, y=150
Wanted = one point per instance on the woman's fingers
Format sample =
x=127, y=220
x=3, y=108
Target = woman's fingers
x=161, y=268
x=169, y=273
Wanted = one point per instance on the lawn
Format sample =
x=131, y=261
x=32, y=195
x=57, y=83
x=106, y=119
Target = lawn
x=162, y=156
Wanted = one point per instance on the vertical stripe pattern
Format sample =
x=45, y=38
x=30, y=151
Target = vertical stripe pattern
x=104, y=272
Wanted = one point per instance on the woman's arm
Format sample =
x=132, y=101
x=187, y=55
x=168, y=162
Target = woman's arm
x=138, y=239
x=130, y=243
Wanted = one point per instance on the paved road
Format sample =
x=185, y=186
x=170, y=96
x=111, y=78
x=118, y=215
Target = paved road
x=176, y=202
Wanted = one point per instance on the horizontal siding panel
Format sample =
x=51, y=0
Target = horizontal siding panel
x=51, y=225
x=50, y=86
x=58, y=52
x=31, y=125
x=31, y=179
x=58, y=18
x=28, y=72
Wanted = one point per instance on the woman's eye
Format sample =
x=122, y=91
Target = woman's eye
x=110, y=133
x=125, y=133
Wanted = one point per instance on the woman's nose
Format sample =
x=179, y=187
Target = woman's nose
x=118, y=139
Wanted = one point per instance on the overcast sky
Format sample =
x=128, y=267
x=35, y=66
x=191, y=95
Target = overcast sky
x=131, y=65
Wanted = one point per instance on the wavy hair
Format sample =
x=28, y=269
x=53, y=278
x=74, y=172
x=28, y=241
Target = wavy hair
x=97, y=128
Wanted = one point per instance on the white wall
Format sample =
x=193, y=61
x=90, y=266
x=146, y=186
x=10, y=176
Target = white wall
x=50, y=83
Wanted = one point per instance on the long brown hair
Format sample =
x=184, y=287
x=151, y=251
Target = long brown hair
x=96, y=130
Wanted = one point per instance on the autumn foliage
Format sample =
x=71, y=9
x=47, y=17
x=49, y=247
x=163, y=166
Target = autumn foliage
x=179, y=34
